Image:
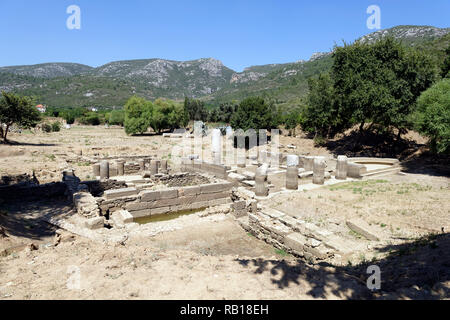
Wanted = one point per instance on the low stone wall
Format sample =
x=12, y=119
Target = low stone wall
x=296, y=236
x=217, y=170
x=154, y=202
x=32, y=192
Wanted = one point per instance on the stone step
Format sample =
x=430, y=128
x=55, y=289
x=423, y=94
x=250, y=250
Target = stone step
x=382, y=172
x=363, y=228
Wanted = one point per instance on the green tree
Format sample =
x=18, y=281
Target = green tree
x=432, y=116
x=292, y=120
x=138, y=115
x=116, y=117
x=195, y=109
x=91, y=118
x=379, y=83
x=167, y=115
x=253, y=113
x=446, y=65
x=320, y=115
x=19, y=110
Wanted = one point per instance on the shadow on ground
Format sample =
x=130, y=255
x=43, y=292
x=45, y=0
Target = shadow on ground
x=24, y=219
x=413, y=270
x=415, y=157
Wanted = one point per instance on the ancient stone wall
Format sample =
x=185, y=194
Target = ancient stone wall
x=217, y=170
x=153, y=202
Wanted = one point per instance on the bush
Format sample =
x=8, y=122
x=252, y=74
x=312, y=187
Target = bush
x=46, y=128
x=117, y=117
x=432, y=116
x=91, y=118
x=56, y=127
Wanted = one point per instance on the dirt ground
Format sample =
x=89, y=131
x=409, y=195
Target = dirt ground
x=215, y=260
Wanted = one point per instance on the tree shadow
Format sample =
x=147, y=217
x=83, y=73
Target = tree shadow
x=415, y=157
x=414, y=270
x=27, y=144
x=24, y=219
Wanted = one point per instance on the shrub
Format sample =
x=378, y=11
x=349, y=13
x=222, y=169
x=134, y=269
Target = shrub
x=46, y=127
x=56, y=127
x=432, y=116
x=117, y=117
x=91, y=118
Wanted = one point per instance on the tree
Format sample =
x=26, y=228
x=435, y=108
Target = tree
x=19, y=110
x=446, y=65
x=320, y=115
x=253, y=113
x=138, y=115
x=432, y=116
x=116, y=117
x=195, y=109
x=379, y=83
x=292, y=120
x=162, y=114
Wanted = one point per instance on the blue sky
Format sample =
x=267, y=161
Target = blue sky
x=239, y=33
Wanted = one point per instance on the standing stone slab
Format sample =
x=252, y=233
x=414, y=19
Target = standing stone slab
x=141, y=165
x=341, y=168
x=120, y=167
x=104, y=170
x=154, y=167
x=164, y=166
x=308, y=163
x=261, y=188
x=96, y=169
x=319, y=170
x=292, y=178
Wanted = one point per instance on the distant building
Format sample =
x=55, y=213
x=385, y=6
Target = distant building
x=93, y=109
x=41, y=108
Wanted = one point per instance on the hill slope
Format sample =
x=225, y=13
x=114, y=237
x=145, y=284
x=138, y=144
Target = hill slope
x=68, y=85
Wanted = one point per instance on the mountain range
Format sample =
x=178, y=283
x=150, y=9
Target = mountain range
x=71, y=84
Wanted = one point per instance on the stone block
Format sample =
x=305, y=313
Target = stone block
x=124, y=216
x=319, y=170
x=189, y=191
x=212, y=196
x=218, y=202
x=141, y=213
x=239, y=205
x=164, y=203
x=168, y=193
x=137, y=206
x=341, y=168
x=147, y=196
x=363, y=228
x=215, y=187
x=162, y=210
x=95, y=223
x=295, y=242
x=118, y=193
